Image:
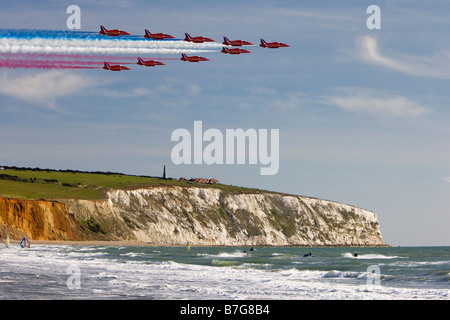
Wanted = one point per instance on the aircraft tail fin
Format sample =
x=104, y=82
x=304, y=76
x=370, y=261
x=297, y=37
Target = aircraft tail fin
x=226, y=40
x=147, y=32
x=187, y=35
x=263, y=42
x=102, y=28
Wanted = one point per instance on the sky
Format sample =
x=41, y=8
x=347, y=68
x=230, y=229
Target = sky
x=363, y=114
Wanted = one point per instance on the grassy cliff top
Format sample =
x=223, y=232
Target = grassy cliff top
x=35, y=183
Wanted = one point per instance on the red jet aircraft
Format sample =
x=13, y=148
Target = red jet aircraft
x=157, y=36
x=235, y=43
x=113, y=33
x=234, y=50
x=197, y=39
x=192, y=58
x=115, y=67
x=149, y=63
x=272, y=45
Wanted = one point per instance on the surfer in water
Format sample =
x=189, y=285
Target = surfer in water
x=7, y=241
x=308, y=255
x=355, y=254
x=25, y=243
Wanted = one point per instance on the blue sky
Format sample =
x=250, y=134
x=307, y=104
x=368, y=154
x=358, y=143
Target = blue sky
x=363, y=114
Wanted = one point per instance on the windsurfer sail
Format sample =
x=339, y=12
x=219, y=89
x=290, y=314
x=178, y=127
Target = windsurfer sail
x=188, y=247
x=25, y=243
x=7, y=241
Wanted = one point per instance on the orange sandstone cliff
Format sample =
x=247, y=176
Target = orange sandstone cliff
x=37, y=219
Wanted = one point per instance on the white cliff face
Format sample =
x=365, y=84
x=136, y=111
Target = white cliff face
x=209, y=216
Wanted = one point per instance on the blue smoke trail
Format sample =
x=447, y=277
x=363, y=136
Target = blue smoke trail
x=68, y=35
x=46, y=34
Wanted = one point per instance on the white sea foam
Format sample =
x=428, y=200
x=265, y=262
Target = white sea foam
x=107, y=278
x=236, y=254
x=368, y=256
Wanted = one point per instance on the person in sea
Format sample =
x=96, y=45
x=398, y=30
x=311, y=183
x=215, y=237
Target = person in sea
x=308, y=255
x=25, y=243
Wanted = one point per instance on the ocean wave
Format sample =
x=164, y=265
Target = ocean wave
x=440, y=275
x=235, y=254
x=368, y=256
x=214, y=275
x=358, y=275
x=282, y=256
x=348, y=274
x=133, y=254
x=225, y=263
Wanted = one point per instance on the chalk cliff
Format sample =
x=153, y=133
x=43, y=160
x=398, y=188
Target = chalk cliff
x=200, y=215
x=209, y=216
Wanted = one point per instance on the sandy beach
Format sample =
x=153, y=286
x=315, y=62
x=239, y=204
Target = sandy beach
x=92, y=243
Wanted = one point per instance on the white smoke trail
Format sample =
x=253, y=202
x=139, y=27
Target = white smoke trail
x=82, y=46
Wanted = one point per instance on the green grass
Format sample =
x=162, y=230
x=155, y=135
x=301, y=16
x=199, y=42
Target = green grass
x=26, y=190
x=50, y=184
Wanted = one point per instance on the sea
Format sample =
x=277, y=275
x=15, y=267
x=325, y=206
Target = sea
x=97, y=272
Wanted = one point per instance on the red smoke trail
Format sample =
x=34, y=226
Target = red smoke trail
x=15, y=64
x=55, y=62
x=62, y=61
x=78, y=56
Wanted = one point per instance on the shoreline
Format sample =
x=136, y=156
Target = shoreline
x=94, y=243
x=147, y=244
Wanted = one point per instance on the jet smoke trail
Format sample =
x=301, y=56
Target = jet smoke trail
x=76, y=56
x=116, y=46
x=65, y=61
x=23, y=64
x=60, y=62
x=46, y=49
x=63, y=34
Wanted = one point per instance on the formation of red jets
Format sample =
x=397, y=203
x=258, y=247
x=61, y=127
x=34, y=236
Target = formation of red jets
x=188, y=38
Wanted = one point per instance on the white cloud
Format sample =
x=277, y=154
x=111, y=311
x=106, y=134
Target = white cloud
x=160, y=95
x=436, y=66
x=446, y=179
x=44, y=88
x=378, y=103
x=292, y=101
x=117, y=3
x=193, y=89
